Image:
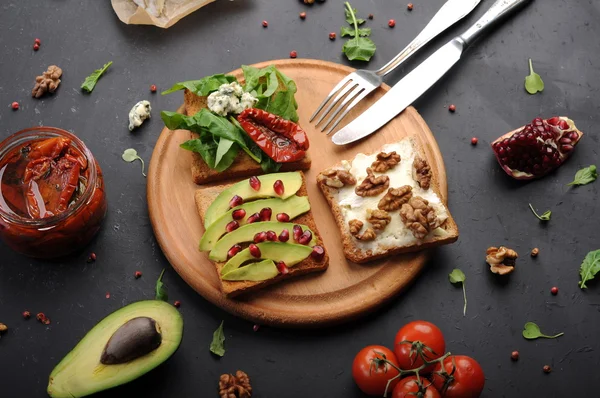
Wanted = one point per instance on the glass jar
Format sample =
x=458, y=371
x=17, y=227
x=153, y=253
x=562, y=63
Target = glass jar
x=58, y=232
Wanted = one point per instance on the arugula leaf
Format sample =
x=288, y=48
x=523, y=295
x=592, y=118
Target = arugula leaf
x=130, y=155
x=544, y=217
x=226, y=152
x=268, y=165
x=202, y=87
x=358, y=48
x=348, y=31
x=274, y=90
x=589, y=267
x=351, y=16
x=531, y=331
x=533, y=82
x=585, y=176
x=457, y=276
x=90, y=82
x=161, y=289
x=216, y=346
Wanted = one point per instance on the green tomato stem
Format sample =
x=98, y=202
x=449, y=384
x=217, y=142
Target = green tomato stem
x=353, y=19
x=530, y=67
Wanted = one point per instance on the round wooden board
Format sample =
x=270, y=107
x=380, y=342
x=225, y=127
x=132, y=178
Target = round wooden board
x=346, y=290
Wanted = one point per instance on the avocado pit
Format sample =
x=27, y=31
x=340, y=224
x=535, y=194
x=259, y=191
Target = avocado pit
x=136, y=338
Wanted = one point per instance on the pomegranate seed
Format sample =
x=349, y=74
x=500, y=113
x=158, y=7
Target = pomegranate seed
x=514, y=355
x=318, y=253
x=278, y=187
x=305, y=238
x=15, y=105
x=232, y=226
x=92, y=257
x=177, y=304
x=137, y=275
x=260, y=237
x=265, y=24
x=253, y=218
x=255, y=328
x=332, y=36
x=236, y=201
x=254, y=250
x=284, y=236
x=554, y=290
x=235, y=249
x=283, y=217
x=36, y=47
x=26, y=314
x=254, y=183
x=265, y=214
x=297, y=231
x=238, y=214
x=410, y=6
x=370, y=16
x=563, y=125
x=37, y=41
x=302, y=15
x=474, y=141
x=107, y=295
x=553, y=121
x=153, y=88
x=282, y=268
x=391, y=23
x=293, y=54
x=452, y=108
x=547, y=369
x=534, y=252
x=271, y=236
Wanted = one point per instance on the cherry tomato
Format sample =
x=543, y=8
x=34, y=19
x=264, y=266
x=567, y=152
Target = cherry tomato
x=371, y=373
x=466, y=379
x=408, y=388
x=420, y=333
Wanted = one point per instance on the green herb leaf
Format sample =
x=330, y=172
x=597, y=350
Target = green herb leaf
x=544, y=217
x=358, y=48
x=589, y=267
x=216, y=346
x=531, y=331
x=350, y=32
x=202, y=87
x=457, y=276
x=533, y=82
x=585, y=176
x=274, y=90
x=90, y=82
x=268, y=165
x=130, y=155
x=161, y=289
x=351, y=15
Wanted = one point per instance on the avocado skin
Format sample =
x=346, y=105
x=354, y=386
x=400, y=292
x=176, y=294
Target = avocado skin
x=137, y=337
x=80, y=373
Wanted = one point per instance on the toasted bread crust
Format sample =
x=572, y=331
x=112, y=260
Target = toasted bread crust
x=205, y=196
x=358, y=255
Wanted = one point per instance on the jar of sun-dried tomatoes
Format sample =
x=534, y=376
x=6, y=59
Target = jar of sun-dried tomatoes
x=52, y=199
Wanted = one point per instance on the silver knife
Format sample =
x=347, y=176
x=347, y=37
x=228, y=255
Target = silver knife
x=411, y=87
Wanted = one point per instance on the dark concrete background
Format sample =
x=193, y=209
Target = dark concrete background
x=490, y=208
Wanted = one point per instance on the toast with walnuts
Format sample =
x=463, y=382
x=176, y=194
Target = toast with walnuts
x=387, y=203
x=260, y=231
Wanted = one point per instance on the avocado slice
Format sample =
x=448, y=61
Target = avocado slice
x=85, y=370
x=290, y=253
x=246, y=234
x=260, y=271
x=293, y=206
x=292, y=182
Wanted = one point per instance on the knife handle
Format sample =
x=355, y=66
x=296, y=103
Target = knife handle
x=498, y=11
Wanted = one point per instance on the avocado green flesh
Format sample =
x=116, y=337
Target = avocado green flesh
x=80, y=373
x=256, y=272
x=292, y=182
x=246, y=234
x=290, y=253
x=293, y=207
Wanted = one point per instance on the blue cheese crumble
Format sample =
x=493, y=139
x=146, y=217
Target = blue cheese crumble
x=139, y=113
x=230, y=98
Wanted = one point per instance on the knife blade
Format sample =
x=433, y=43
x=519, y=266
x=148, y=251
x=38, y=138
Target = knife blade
x=417, y=82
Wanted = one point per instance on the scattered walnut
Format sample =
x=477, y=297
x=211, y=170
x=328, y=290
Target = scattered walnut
x=237, y=386
x=371, y=185
x=418, y=216
x=534, y=252
x=379, y=219
x=422, y=172
x=395, y=198
x=501, y=259
x=385, y=161
x=48, y=82
x=336, y=178
x=356, y=225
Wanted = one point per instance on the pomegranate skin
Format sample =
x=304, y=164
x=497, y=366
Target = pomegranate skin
x=536, y=149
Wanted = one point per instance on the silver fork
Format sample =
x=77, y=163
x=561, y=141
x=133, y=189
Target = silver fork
x=357, y=85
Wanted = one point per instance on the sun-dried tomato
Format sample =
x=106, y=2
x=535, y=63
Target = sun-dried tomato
x=282, y=140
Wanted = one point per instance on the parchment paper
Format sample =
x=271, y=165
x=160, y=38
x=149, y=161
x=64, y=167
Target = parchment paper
x=130, y=13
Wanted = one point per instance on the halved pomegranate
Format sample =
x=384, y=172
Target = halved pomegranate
x=538, y=148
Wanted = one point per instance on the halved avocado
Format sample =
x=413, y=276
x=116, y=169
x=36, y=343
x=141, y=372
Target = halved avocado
x=246, y=234
x=82, y=372
x=293, y=206
x=290, y=253
x=260, y=271
x=292, y=182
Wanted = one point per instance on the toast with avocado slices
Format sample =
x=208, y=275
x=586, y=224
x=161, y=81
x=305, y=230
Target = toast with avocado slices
x=260, y=231
x=387, y=203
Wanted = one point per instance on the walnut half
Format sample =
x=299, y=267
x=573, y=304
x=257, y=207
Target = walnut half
x=336, y=178
x=422, y=172
x=501, y=259
x=371, y=185
x=385, y=161
x=237, y=386
x=355, y=226
x=395, y=198
x=418, y=216
x=48, y=82
x=379, y=219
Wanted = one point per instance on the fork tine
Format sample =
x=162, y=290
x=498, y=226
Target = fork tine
x=340, y=108
x=338, y=86
x=346, y=90
x=356, y=100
